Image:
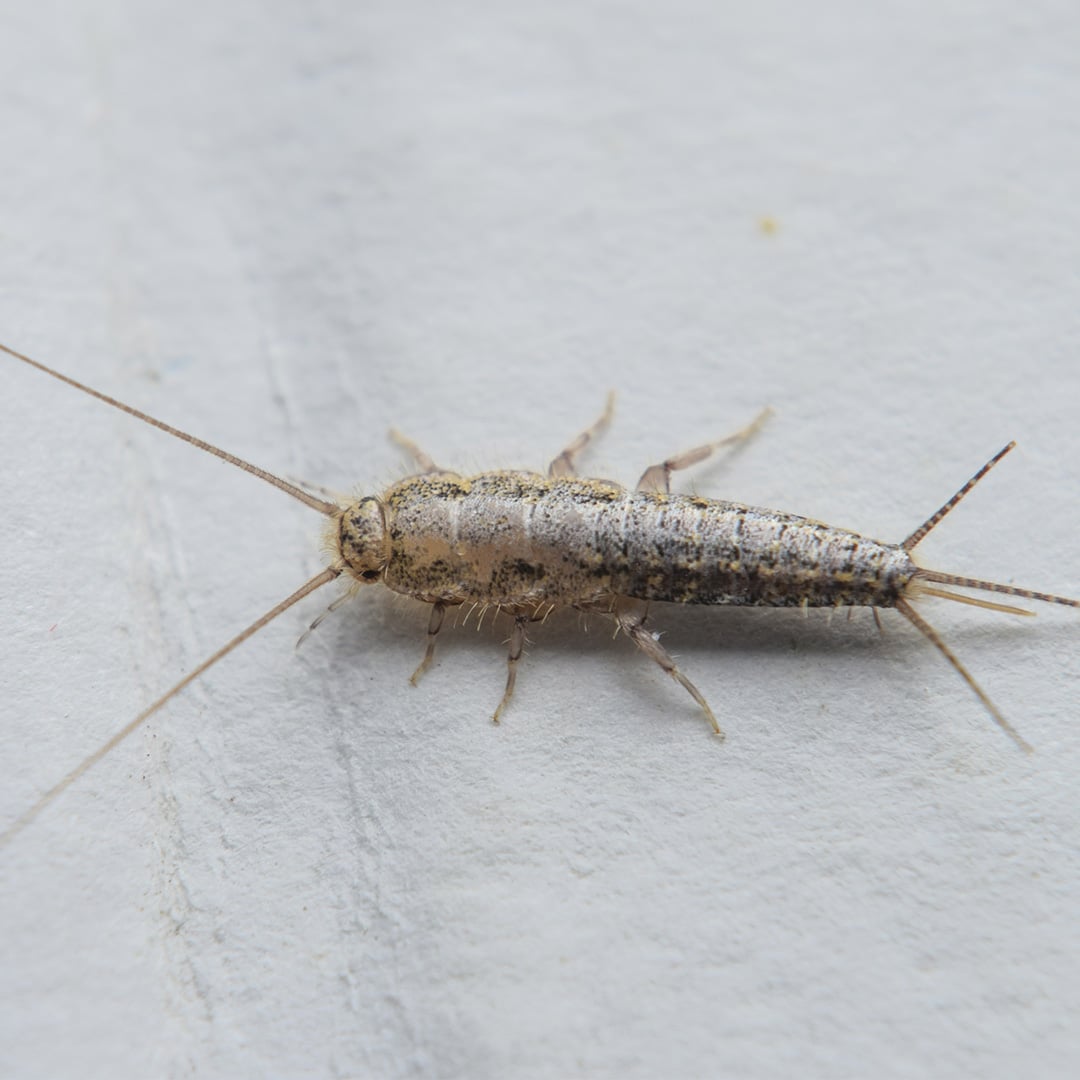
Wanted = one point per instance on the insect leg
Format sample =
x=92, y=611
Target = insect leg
x=316, y=623
x=563, y=465
x=634, y=625
x=423, y=460
x=517, y=645
x=310, y=488
x=658, y=477
x=434, y=626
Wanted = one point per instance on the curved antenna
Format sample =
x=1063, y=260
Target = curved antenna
x=327, y=575
x=324, y=507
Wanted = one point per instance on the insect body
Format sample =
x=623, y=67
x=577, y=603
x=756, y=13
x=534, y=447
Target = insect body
x=519, y=540
x=527, y=543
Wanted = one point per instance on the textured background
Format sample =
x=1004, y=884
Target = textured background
x=286, y=227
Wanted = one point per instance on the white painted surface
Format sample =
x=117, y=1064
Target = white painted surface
x=285, y=228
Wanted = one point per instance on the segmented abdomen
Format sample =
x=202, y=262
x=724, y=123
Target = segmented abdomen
x=519, y=538
x=702, y=551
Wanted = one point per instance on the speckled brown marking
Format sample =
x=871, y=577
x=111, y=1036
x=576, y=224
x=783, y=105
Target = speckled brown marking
x=525, y=544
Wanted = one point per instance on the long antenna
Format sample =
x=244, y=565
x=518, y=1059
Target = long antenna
x=21, y=822
x=324, y=507
x=986, y=586
x=920, y=533
x=933, y=636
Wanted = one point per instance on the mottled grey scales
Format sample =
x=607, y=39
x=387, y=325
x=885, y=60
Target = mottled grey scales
x=519, y=540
